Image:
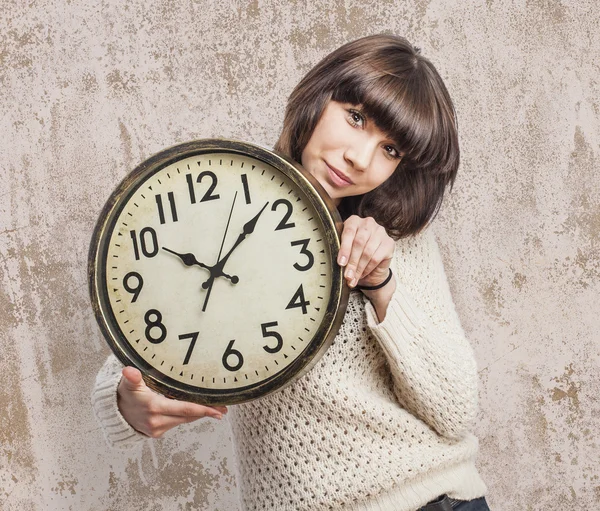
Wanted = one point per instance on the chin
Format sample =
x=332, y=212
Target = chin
x=336, y=198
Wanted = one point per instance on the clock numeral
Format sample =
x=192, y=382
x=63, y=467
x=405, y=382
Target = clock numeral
x=209, y=193
x=246, y=189
x=272, y=333
x=148, y=249
x=298, y=300
x=304, y=250
x=139, y=283
x=153, y=324
x=161, y=213
x=289, y=209
x=193, y=336
x=230, y=352
x=190, y=183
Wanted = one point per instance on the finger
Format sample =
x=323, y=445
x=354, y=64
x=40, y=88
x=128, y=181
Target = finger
x=177, y=408
x=212, y=412
x=348, y=234
x=366, y=259
x=381, y=258
x=132, y=379
x=360, y=241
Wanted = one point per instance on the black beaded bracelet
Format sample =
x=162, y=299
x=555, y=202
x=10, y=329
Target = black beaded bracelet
x=378, y=286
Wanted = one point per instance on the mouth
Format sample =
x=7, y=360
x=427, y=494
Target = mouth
x=338, y=177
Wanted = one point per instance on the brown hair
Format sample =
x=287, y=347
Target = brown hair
x=404, y=95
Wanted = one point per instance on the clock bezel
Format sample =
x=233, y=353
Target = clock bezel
x=98, y=287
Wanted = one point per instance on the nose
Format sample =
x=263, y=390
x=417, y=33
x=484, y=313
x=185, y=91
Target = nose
x=360, y=152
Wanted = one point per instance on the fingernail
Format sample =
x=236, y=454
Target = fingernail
x=218, y=417
x=343, y=260
x=354, y=282
x=349, y=274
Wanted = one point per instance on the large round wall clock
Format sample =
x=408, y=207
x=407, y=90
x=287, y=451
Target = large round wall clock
x=213, y=270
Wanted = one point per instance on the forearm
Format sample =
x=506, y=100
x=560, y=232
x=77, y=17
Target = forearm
x=432, y=363
x=434, y=372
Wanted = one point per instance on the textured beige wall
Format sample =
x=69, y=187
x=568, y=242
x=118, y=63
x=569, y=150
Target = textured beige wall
x=90, y=88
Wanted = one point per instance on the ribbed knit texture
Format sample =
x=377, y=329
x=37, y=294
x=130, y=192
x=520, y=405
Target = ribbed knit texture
x=117, y=432
x=381, y=423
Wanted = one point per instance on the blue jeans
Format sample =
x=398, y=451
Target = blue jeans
x=473, y=505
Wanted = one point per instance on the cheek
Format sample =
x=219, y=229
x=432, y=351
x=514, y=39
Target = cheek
x=385, y=171
x=305, y=156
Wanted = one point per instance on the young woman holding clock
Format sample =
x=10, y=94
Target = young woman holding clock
x=383, y=421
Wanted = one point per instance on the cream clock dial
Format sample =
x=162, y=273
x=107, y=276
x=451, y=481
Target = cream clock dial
x=213, y=270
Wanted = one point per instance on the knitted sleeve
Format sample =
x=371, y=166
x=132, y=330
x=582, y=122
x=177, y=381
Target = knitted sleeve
x=117, y=431
x=432, y=364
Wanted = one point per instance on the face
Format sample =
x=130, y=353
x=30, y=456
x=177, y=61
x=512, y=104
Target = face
x=347, y=153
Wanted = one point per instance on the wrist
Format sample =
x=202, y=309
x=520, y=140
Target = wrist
x=381, y=285
x=383, y=294
x=380, y=298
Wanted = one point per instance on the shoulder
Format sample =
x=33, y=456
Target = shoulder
x=420, y=251
x=419, y=267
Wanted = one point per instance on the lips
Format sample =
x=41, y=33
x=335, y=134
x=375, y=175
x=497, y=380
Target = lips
x=338, y=177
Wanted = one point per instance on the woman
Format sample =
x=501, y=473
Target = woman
x=382, y=422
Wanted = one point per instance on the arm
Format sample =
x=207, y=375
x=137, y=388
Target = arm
x=117, y=432
x=129, y=411
x=432, y=364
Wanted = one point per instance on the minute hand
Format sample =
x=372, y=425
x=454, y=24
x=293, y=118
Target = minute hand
x=217, y=270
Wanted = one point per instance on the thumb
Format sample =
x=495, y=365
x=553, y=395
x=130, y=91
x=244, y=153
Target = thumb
x=132, y=378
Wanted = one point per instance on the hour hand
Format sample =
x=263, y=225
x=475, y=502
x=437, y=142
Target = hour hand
x=188, y=259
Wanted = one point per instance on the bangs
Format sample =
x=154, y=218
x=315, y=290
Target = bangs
x=403, y=105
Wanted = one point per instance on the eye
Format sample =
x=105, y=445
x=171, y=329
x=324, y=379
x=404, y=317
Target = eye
x=392, y=152
x=355, y=118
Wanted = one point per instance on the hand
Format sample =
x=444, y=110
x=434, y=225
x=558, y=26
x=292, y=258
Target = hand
x=366, y=251
x=153, y=414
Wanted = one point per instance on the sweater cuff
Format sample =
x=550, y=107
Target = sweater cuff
x=117, y=431
x=404, y=320
x=399, y=313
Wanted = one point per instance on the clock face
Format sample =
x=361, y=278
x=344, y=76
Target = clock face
x=214, y=272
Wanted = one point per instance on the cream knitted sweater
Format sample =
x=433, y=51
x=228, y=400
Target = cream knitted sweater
x=381, y=423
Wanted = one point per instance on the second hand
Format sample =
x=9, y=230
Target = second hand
x=209, y=283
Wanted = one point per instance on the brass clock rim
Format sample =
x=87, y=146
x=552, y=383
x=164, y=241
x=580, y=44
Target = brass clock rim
x=103, y=311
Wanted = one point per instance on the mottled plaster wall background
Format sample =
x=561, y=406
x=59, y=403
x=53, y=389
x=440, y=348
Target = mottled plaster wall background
x=90, y=88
